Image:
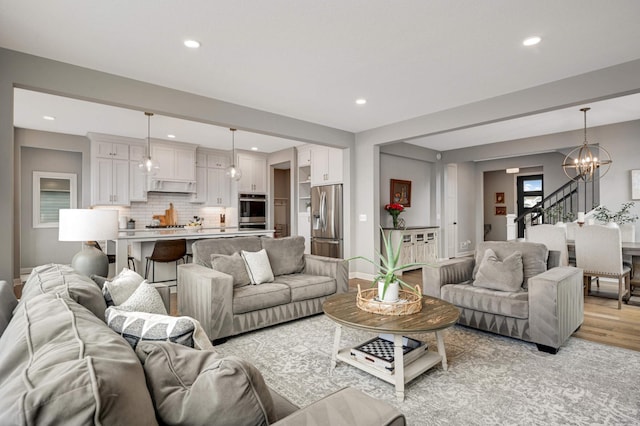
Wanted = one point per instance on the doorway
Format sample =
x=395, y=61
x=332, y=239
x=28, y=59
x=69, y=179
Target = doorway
x=529, y=193
x=281, y=202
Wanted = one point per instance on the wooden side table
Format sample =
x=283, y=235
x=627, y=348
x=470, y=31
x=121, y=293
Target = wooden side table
x=435, y=316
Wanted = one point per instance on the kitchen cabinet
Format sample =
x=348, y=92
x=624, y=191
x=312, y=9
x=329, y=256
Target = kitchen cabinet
x=419, y=245
x=110, y=169
x=254, y=174
x=304, y=178
x=137, y=179
x=326, y=165
x=176, y=161
x=213, y=188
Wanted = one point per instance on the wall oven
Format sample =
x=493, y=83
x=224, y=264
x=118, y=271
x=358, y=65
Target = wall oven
x=252, y=211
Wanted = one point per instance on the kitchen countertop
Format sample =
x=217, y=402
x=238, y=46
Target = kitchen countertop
x=138, y=236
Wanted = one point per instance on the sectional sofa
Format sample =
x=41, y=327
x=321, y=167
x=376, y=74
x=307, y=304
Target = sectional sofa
x=61, y=364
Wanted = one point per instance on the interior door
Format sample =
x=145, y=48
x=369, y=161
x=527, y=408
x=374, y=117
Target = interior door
x=530, y=192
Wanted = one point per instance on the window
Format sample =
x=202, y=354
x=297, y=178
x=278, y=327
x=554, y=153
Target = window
x=52, y=192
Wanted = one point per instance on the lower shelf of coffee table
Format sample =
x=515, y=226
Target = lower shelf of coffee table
x=411, y=371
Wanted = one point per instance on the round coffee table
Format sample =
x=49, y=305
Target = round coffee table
x=435, y=316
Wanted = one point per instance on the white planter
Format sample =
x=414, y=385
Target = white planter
x=391, y=295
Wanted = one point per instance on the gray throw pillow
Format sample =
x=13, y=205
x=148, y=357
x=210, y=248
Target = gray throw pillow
x=121, y=287
x=198, y=387
x=8, y=303
x=145, y=299
x=286, y=255
x=231, y=265
x=503, y=275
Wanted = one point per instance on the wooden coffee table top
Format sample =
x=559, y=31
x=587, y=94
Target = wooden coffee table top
x=435, y=315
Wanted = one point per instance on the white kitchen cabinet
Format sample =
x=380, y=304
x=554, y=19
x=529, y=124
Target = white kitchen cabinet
x=176, y=161
x=213, y=188
x=137, y=179
x=304, y=155
x=218, y=188
x=113, y=150
x=110, y=180
x=326, y=165
x=254, y=174
x=419, y=245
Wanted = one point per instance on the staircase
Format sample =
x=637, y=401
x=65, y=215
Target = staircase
x=563, y=204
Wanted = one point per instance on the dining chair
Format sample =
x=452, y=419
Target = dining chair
x=552, y=236
x=599, y=254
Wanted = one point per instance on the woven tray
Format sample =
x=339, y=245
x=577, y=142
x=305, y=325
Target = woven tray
x=411, y=303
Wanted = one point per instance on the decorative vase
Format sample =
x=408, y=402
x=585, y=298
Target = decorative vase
x=395, y=221
x=391, y=295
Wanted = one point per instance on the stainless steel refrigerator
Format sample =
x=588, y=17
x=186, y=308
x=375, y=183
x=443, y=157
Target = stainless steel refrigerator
x=326, y=221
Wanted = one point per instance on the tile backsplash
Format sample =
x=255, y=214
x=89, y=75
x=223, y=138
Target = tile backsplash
x=157, y=203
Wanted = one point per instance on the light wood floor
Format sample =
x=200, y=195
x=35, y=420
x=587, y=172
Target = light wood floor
x=603, y=322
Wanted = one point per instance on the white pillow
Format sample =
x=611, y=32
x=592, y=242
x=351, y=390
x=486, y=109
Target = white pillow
x=122, y=286
x=258, y=266
x=144, y=299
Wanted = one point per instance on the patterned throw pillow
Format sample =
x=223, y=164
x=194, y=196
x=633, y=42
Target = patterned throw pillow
x=141, y=326
x=144, y=299
x=258, y=266
x=121, y=287
x=231, y=265
x=503, y=275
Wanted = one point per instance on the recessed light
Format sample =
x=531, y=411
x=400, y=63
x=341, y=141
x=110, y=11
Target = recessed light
x=171, y=136
x=193, y=44
x=531, y=41
x=48, y=117
x=254, y=148
x=361, y=101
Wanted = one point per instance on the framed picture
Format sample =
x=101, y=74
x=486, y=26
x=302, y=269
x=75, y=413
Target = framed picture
x=501, y=211
x=499, y=197
x=635, y=184
x=400, y=192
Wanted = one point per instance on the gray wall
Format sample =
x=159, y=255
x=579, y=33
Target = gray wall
x=40, y=245
x=419, y=173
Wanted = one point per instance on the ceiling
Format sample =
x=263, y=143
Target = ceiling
x=312, y=60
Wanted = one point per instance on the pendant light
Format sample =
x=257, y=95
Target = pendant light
x=233, y=172
x=146, y=164
x=581, y=164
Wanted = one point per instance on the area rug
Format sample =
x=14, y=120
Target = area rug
x=491, y=379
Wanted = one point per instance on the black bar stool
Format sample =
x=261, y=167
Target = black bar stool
x=166, y=251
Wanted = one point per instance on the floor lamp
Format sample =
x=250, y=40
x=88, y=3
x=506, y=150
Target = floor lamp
x=89, y=225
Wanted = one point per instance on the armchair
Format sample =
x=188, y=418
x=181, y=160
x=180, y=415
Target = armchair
x=545, y=310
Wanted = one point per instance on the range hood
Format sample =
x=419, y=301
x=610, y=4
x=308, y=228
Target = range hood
x=167, y=185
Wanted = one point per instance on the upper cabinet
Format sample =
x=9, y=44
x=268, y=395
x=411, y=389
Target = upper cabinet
x=326, y=165
x=110, y=169
x=254, y=173
x=212, y=186
x=137, y=178
x=176, y=161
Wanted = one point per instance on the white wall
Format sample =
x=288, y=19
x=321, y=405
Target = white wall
x=419, y=173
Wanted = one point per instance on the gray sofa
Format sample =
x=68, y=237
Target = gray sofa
x=224, y=308
x=546, y=309
x=61, y=364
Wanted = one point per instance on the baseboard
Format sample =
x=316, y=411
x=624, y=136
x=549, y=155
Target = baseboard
x=361, y=275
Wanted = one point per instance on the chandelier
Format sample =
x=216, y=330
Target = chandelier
x=146, y=164
x=233, y=172
x=582, y=163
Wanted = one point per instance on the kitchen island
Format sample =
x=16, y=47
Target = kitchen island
x=142, y=241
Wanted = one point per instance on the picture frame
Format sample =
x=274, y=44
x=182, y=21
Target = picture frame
x=400, y=192
x=635, y=184
x=499, y=197
x=501, y=210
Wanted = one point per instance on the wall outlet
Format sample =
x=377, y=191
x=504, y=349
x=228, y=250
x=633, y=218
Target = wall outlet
x=465, y=245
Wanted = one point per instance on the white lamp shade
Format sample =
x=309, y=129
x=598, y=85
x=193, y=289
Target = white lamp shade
x=88, y=225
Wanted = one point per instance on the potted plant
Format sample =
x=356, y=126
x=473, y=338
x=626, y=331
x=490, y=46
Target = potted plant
x=386, y=279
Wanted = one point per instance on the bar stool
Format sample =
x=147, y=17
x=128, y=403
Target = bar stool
x=166, y=251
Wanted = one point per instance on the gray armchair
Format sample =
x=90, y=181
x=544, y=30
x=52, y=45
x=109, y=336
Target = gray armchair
x=546, y=310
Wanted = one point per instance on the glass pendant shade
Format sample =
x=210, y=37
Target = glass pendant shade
x=233, y=172
x=586, y=162
x=147, y=165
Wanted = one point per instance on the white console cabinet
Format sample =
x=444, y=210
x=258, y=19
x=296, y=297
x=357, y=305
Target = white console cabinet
x=419, y=245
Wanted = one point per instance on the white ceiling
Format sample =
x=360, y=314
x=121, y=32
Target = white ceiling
x=311, y=60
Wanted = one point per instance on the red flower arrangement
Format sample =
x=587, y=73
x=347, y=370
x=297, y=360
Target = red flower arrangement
x=394, y=210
